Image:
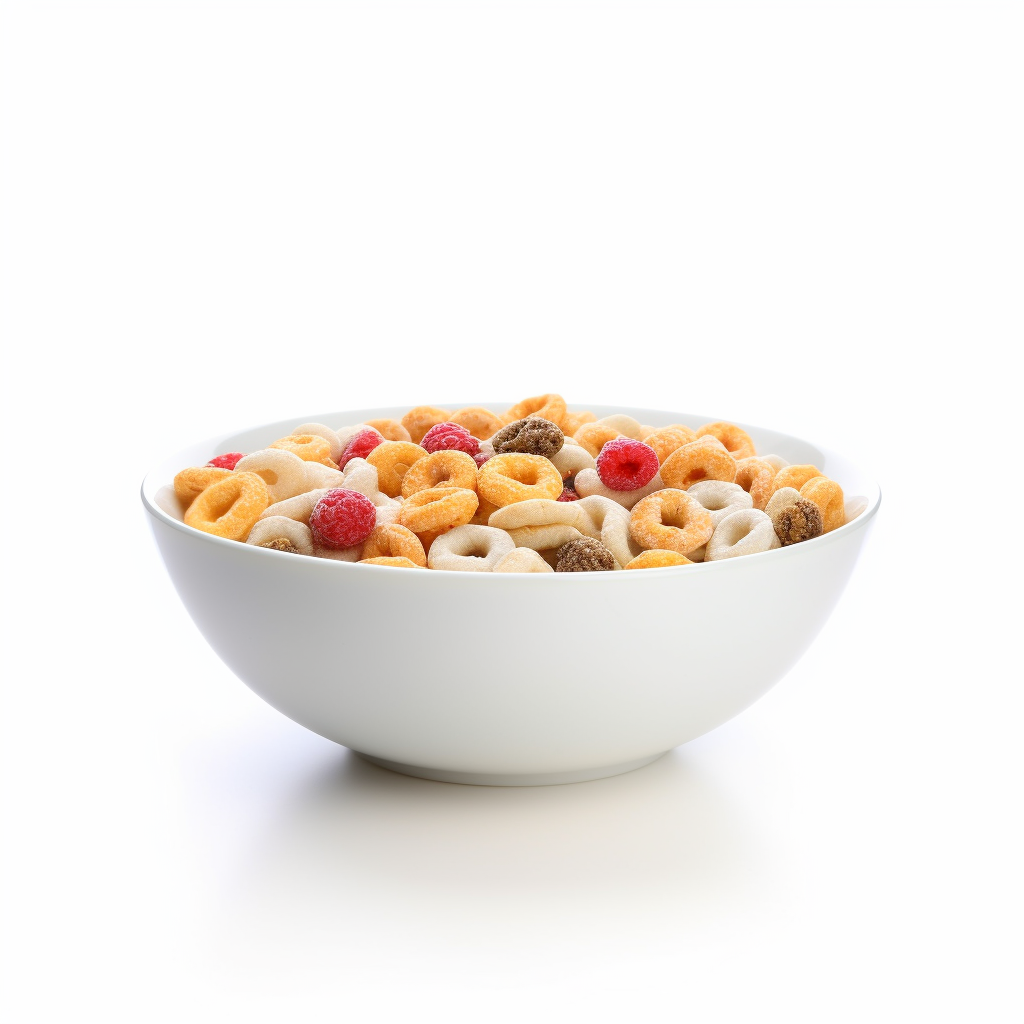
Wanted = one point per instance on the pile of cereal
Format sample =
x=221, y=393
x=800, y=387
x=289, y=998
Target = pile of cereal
x=535, y=489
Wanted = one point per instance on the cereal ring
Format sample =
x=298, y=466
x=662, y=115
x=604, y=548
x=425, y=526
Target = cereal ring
x=585, y=555
x=756, y=476
x=508, y=478
x=390, y=430
x=671, y=520
x=608, y=522
x=531, y=436
x=396, y=562
x=440, y=469
x=394, y=541
x=594, y=436
x=572, y=421
x=284, y=473
x=360, y=476
x=571, y=458
x=484, y=511
x=470, y=549
x=230, y=507
x=645, y=432
x=522, y=560
x=703, y=459
x=794, y=476
x=828, y=496
x=538, y=512
x=625, y=425
x=352, y=554
x=480, y=422
x=308, y=447
x=738, y=443
x=798, y=522
x=319, y=475
x=657, y=558
x=743, y=533
x=588, y=483
x=345, y=434
x=780, y=499
x=281, y=534
x=777, y=462
x=419, y=420
x=548, y=407
x=437, y=510
x=544, y=538
x=665, y=440
x=854, y=507
x=326, y=433
x=719, y=498
x=299, y=508
x=190, y=483
x=392, y=460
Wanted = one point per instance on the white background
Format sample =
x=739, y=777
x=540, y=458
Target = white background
x=807, y=216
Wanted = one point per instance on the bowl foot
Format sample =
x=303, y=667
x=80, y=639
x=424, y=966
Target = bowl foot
x=483, y=779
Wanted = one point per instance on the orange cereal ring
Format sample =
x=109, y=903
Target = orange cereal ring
x=483, y=513
x=419, y=420
x=480, y=422
x=436, y=510
x=190, y=483
x=703, y=459
x=390, y=430
x=308, y=447
x=594, y=436
x=547, y=407
x=794, y=476
x=670, y=520
x=828, y=496
x=230, y=507
x=657, y=558
x=572, y=421
x=665, y=440
x=756, y=477
x=392, y=460
x=504, y=479
x=397, y=562
x=394, y=541
x=440, y=469
x=738, y=443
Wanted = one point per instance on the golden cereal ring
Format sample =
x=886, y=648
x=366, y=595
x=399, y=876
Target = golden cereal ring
x=419, y=420
x=326, y=433
x=398, y=562
x=480, y=422
x=594, y=436
x=308, y=447
x=390, y=430
x=547, y=407
x=394, y=541
x=437, y=510
x=625, y=425
x=756, y=477
x=794, y=476
x=190, y=483
x=440, y=469
x=828, y=496
x=484, y=512
x=657, y=558
x=392, y=460
x=230, y=507
x=670, y=520
x=665, y=440
x=572, y=421
x=517, y=477
x=738, y=443
x=703, y=459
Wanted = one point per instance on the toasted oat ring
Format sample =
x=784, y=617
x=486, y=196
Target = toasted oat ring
x=607, y=521
x=440, y=469
x=670, y=520
x=703, y=459
x=588, y=482
x=794, y=476
x=538, y=512
x=665, y=440
x=392, y=460
x=230, y=507
x=547, y=407
x=394, y=541
x=419, y=420
x=594, y=436
x=397, y=562
x=782, y=498
x=720, y=498
x=828, y=496
x=437, y=509
x=308, y=447
x=522, y=560
x=657, y=558
x=284, y=473
x=390, y=430
x=190, y=483
x=756, y=477
x=484, y=512
x=470, y=549
x=480, y=422
x=282, y=534
x=625, y=425
x=517, y=477
x=571, y=458
x=746, y=532
x=572, y=421
x=320, y=430
x=737, y=441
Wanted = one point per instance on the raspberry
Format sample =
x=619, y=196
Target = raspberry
x=480, y=458
x=359, y=446
x=342, y=519
x=625, y=464
x=228, y=461
x=450, y=437
x=568, y=494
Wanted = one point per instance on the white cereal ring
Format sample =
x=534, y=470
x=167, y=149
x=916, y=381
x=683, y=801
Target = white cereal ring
x=360, y=476
x=719, y=498
x=588, y=483
x=353, y=554
x=387, y=514
x=299, y=508
x=608, y=522
x=625, y=425
x=775, y=460
x=537, y=512
x=345, y=434
x=470, y=549
x=282, y=471
x=783, y=497
x=319, y=475
x=522, y=560
x=743, y=533
x=544, y=538
x=854, y=507
x=571, y=458
x=282, y=534
x=319, y=430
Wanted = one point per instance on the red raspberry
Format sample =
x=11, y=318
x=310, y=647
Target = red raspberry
x=342, y=519
x=228, y=461
x=360, y=445
x=450, y=437
x=480, y=458
x=568, y=494
x=625, y=464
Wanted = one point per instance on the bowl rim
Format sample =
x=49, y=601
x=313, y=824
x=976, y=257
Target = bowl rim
x=150, y=485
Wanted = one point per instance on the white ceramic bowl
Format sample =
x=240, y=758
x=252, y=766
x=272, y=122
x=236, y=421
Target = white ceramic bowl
x=506, y=678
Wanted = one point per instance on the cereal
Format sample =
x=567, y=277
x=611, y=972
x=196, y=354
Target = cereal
x=396, y=562
x=794, y=476
x=394, y=541
x=854, y=507
x=780, y=499
x=608, y=522
x=797, y=522
x=284, y=473
x=625, y=425
x=362, y=477
x=777, y=462
x=530, y=436
x=657, y=558
x=665, y=440
x=828, y=496
x=522, y=560
x=572, y=421
x=437, y=510
x=298, y=508
x=671, y=520
x=419, y=420
x=190, y=483
x=359, y=445
x=571, y=458
x=548, y=407
x=281, y=534
x=584, y=555
x=390, y=430
x=737, y=442
x=330, y=436
x=743, y=533
x=538, y=512
x=756, y=476
x=319, y=475
x=480, y=422
x=587, y=482
x=484, y=511
x=392, y=460
x=308, y=447
x=440, y=469
x=508, y=478
x=470, y=549
x=594, y=436
x=719, y=498
x=703, y=459
x=230, y=507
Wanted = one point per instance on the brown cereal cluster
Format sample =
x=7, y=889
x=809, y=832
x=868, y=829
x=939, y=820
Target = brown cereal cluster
x=584, y=555
x=800, y=521
x=530, y=436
